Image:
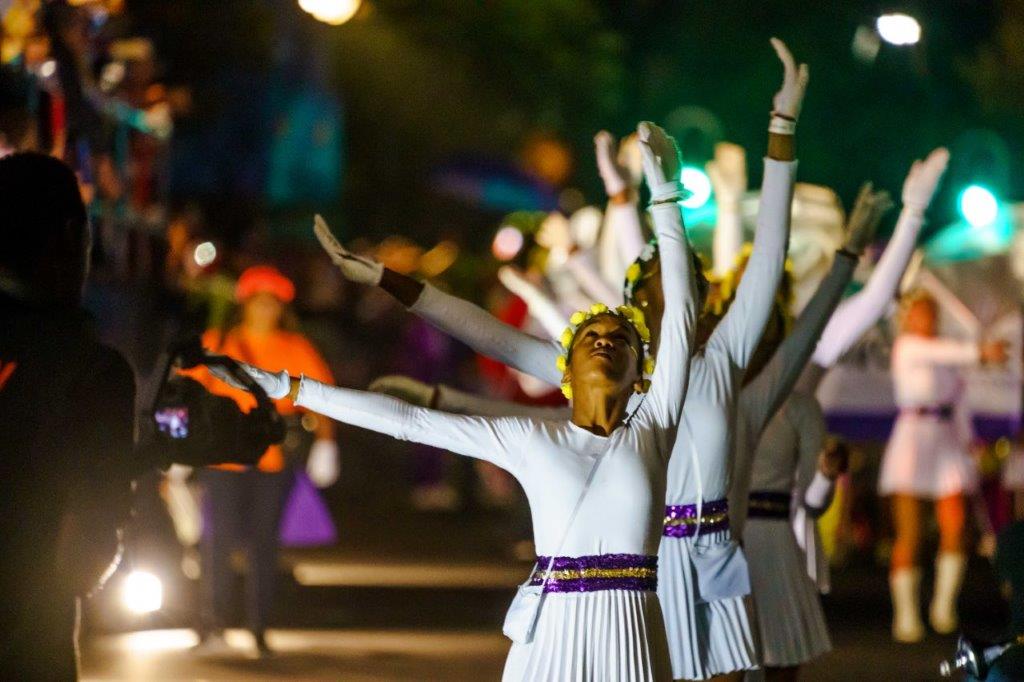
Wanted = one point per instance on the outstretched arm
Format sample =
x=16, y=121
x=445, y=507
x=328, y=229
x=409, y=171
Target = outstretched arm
x=448, y=399
x=763, y=396
x=671, y=373
x=861, y=311
x=738, y=333
x=541, y=306
x=460, y=319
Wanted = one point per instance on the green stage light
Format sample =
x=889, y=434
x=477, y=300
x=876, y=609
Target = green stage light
x=978, y=205
x=698, y=182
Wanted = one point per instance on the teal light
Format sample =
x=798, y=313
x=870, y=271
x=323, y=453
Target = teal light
x=698, y=182
x=978, y=205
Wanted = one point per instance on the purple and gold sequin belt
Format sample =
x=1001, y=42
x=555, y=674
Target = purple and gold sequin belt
x=681, y=519
x=637, y=572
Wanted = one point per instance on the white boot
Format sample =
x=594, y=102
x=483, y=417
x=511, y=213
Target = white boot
x=949, y=575
x=904, y=584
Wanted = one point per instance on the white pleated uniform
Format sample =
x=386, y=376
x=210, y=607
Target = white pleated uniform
x=928, y=455
x=711, y=633
x=602, y=635
x=792, y=623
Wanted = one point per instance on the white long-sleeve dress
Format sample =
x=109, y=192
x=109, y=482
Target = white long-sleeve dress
x=703, y=585
x=583, y=633
x=928, y=454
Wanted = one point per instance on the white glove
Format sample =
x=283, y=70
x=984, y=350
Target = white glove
x=615, y=176
x=323, y=465
x=355, y=268
x=728, y=173
x=276, y=385
x=790, y=97
x=923, y=178
x=404, y=388
x=661, y=163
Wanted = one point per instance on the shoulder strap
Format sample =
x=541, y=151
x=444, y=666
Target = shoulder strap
x=575, y=510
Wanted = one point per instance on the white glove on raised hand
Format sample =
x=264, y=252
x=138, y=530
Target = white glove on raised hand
x=355, y=268
x=661, y=163
x=323, y=465
x=275, y=384
x=728, y=173
x=405, y=389
x=923, y=178
x=790, y=97
x=617, y=177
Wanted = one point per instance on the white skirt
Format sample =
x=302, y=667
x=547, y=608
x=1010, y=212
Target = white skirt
x=602, y=636
x=927, y=457
x=789, y=615
x=704, y=638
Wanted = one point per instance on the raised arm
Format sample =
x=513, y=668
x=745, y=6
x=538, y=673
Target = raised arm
x=460, y=319
x=541, y=306
x=728, y=173
x=671, y=373
x=621, y=217
x=861, y=311
x=763, y=396
x=738, y=333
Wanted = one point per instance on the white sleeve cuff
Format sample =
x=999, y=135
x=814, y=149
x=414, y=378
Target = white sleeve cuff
x=819, y=494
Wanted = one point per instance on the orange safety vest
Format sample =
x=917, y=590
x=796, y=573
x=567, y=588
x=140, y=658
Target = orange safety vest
x=279, y=350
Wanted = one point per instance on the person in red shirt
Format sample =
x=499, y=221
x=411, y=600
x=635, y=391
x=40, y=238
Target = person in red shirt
x=246, y=503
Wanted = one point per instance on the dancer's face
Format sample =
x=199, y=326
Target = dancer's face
x=262, y=312
x=606, y=352
x=921, y=318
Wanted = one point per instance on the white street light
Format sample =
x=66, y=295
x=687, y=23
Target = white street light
x=898, y=29
x=333, y=12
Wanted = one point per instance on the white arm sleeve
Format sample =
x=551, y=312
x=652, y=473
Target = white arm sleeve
x=541, y=307
x=624, y=222
x=591, y=281
x=490, y=439
x=728, y=239
x=763, y=396
x=941, y=351
x=459, y=402
x=861, y=311
x=740, y=330
x=672, y=368
x=489, y=336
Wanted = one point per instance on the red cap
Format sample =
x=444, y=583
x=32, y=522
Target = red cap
x=264, y=278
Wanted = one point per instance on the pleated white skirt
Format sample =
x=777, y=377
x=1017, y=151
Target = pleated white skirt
x=927, y=457
x=704, y=638
x=790, y=619
x=603, y=636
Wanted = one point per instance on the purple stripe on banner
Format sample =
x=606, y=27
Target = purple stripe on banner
x=877, y=425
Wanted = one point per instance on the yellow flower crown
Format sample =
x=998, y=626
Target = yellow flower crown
x=631, y=314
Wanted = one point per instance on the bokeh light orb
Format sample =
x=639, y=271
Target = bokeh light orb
x=507, y=244
x=978, y=205
x=333, y=12
x=898, y=29
x=142, y=592
x=205, y=254
x=698, y=182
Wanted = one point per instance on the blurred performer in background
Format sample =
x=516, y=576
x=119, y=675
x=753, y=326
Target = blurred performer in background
x=928, y=458
x=246, y=504
x=66, y=423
